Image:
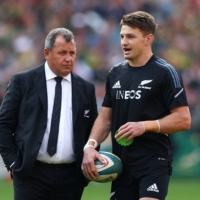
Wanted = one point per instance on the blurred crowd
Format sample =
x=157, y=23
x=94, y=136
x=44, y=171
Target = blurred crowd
x=24, y=25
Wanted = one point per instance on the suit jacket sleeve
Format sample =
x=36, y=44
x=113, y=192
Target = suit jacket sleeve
x=94, y=112
x=9, y=120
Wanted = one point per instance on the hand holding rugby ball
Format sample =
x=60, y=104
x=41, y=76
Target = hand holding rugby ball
x=109, y=170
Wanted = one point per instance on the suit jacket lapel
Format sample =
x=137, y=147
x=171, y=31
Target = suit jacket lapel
x=40, y=83
x=76, y=91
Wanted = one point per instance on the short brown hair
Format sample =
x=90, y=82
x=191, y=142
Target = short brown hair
x=140, y=19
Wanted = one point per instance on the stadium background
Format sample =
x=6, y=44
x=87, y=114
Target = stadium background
x=25, y=23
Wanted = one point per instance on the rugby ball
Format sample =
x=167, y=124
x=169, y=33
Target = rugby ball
x=109, y=170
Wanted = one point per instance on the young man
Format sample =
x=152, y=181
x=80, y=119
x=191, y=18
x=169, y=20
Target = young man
x=45, y=120
x=145, y=101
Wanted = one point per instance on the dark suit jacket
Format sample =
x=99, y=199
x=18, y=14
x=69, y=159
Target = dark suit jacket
x=23, y=119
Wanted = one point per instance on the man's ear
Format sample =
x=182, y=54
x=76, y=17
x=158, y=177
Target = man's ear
x=149, y=39
x=46, y=53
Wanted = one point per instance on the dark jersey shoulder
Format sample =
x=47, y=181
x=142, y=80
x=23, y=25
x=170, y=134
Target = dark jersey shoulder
x=166, y=67
x=118, y=67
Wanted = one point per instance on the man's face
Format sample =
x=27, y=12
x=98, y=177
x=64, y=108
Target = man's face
x=62, y=56
x=133, y=42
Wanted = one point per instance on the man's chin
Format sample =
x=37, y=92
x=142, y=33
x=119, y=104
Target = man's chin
x=127, y=57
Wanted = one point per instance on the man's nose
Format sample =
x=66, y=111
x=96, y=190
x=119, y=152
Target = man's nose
x=67, y=57
x=124, y=41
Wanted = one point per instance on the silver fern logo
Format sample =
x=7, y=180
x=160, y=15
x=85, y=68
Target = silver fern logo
x=144, y=83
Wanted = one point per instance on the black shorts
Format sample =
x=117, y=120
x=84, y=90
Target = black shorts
x=150, y=182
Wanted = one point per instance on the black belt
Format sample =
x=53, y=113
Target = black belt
x=56, y=166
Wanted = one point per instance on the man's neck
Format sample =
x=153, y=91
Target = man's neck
x=140, y=61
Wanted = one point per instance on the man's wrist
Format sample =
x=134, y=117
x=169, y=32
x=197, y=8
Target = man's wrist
x=91, y=143
x=153, y=126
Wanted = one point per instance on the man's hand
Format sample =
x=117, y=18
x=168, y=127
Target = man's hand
x=130, y=130
x=88, y=166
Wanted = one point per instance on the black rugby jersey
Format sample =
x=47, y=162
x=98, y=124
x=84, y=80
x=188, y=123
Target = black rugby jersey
x=139, y=94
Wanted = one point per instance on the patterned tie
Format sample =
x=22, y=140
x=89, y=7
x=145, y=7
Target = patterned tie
x=53, y=136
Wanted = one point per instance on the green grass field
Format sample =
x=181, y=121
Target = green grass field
x=179, y=189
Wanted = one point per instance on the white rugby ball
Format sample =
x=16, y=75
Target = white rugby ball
x=109, y=170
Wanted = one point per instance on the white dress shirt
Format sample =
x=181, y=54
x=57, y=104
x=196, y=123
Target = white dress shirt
x=65, y=152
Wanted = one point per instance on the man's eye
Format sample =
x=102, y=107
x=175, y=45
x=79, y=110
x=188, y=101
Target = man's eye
x=130, y=36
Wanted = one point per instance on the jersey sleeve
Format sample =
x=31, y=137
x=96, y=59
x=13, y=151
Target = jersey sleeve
x=173, y=90
x=107, y=98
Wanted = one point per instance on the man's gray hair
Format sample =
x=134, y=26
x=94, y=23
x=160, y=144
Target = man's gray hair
x=51, y=37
